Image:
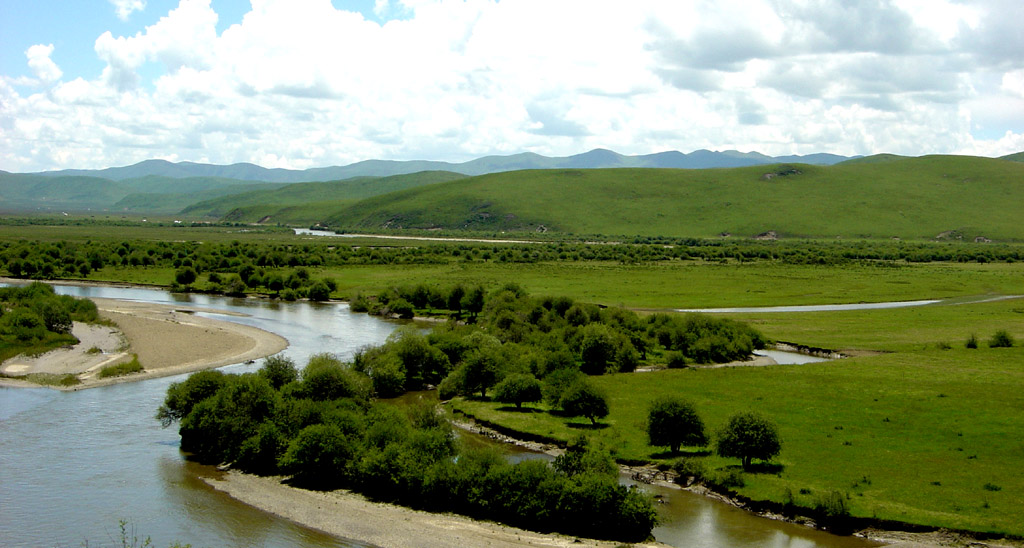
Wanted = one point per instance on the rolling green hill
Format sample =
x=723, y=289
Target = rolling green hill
x=953, y=196
x=318, y=199
x=74, y=193
x=1016, y=157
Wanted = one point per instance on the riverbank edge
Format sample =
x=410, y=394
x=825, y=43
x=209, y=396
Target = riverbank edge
x=889, y=532
x=265, y=343
x=349, y=515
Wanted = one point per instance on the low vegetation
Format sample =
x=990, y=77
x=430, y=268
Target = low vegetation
x=121, y=369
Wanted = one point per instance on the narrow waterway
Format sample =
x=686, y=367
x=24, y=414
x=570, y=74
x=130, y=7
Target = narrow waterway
x=73, y=464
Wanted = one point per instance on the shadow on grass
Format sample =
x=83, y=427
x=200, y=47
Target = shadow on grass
x=684, y=453
x=765, y=468
x=514, y=409
x=578, y=426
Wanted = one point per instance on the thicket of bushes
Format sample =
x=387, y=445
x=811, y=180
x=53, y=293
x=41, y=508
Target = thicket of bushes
x=34, y=317
x=322, y=427
x=553, y=341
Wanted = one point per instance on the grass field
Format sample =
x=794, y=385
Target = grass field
x=929, y=437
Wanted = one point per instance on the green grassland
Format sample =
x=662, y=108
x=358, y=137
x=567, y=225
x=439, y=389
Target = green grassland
x=910, y=198
x=320, y=199
x=911, y=437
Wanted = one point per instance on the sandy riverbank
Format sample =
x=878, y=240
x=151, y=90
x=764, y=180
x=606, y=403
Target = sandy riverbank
x=168, y=340
x=350, y=515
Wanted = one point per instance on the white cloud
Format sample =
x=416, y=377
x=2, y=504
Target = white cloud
x=301, y=84
x=42, y=66
x=124, y=8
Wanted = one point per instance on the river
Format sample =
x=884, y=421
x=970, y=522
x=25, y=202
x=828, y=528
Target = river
x=73, y=464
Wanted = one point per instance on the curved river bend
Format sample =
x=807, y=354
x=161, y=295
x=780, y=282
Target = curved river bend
x=73, y=464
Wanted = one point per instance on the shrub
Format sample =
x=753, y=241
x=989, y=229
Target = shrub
x=1001, y=339
x=972, y=341
x=690, y=468
x=121, y=369
x=833, y=505
x=675, y=360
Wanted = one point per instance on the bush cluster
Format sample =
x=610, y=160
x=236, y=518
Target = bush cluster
x=323, y=428
x=35, y=317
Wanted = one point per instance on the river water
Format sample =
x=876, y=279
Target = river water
x=73, y=464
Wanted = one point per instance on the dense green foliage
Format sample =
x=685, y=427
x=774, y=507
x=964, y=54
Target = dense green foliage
x=748, y=436
x=34, y=319
x=672, y=422
x=325, y=431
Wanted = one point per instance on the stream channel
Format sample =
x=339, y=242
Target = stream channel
x=74, y=464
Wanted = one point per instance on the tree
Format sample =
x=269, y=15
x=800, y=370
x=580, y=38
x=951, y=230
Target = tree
x=473, y=301
x=480, y=370
x=518, y=388
x=319, y=291
x=279, y=370
x=749, y=436
x=582, y=399
x=674, y=422
x=185, y=276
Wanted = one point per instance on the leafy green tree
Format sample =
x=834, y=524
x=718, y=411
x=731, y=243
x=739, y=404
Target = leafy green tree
x=319, y=456
x=473, y=301
x=480, y=370
x=183, y=396
x=319, y=291
x=583, y=399
x=279, y=370
x=672, y=422
x=749, y=436
x=518, y=388
x=597, y=348
x=186, y=276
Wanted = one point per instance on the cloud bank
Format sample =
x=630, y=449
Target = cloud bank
x=301, y=83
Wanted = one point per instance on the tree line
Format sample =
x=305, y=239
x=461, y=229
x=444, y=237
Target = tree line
x=252, y=261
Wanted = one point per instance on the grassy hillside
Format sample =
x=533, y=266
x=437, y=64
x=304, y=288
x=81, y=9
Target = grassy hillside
x=1016, y=157
x=34, y=192
x=956, y=196
x=318, y=199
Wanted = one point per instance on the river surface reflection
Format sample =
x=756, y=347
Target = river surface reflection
x=73, y=464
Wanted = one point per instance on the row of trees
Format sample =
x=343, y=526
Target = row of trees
x=71, y=259
x=674, y=422
x=322, y=427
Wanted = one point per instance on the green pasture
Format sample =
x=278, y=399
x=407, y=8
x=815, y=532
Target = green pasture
x=931, y=437
x=694, y=284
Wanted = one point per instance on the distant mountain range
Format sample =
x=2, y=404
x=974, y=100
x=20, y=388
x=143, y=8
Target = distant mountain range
x=595, y=159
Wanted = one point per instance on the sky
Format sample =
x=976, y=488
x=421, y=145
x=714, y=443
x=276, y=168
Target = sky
x=312, y=83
